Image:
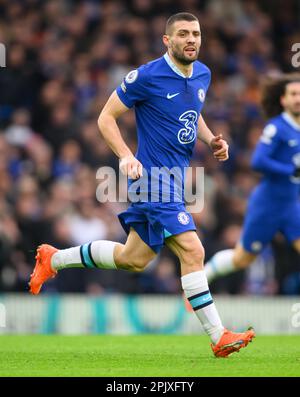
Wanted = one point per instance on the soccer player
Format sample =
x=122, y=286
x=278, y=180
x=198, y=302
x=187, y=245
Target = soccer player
x=274, y=204
x=168, y=95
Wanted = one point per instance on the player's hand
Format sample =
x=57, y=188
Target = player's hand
x=219, y=148
x=131, y=167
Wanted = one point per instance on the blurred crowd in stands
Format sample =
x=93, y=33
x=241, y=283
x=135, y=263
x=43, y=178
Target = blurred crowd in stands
x=64, y=58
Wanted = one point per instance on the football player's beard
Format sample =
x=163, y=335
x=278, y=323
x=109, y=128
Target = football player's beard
x=295, y=113
x=180, y=57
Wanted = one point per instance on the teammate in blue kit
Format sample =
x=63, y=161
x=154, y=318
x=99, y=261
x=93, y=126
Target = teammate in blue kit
x=274, y=205
x=168, y=95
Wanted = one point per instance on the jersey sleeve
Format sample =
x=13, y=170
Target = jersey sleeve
x=207, y=79
x=262, y=159
x=135, y=87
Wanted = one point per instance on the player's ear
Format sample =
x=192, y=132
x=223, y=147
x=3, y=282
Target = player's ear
x=166, y=40
x=282, y=101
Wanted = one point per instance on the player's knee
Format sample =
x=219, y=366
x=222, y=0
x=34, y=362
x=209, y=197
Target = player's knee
x=193, y=259
x=243, y=261
x=296, y=245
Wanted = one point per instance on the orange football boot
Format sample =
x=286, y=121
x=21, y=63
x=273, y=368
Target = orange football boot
x=42, y=270
x=231, y=342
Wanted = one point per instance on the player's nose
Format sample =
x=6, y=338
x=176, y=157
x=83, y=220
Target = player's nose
x=190, y=38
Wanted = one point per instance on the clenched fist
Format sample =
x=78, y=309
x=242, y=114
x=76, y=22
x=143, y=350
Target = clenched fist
x=131, y=167
x=219, y=148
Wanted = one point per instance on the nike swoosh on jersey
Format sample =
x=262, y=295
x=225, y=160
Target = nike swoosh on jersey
x=170, y=96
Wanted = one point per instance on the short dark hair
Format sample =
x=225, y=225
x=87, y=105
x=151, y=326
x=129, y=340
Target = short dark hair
x=181, y=16
x=272, y=89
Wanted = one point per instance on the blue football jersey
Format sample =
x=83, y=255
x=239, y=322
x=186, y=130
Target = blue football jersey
x=277, y=155
x=167, y=107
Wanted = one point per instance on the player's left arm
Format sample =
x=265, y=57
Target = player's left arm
x=217, y=144
x=264, y=157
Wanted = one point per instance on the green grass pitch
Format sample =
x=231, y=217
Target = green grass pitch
x=144, y=355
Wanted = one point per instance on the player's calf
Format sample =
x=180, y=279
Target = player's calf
x=242, y=258
x=228, y=261
x=131, y=262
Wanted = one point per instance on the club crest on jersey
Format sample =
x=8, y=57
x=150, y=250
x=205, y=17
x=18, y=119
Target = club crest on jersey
x=189, y=132
x=131, y=76
x=268, y=133
x=256, y=246
x=201, y=94
x=296, y=159
x=183, y=218
x=293, y=142
x=296, y=162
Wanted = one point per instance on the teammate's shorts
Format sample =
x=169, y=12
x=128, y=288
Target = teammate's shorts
x=154, y=222
x=264, y=220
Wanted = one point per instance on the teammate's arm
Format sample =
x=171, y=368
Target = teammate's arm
x=113, y=109
x=217, y=144
x=262, y=161
x=262, y=158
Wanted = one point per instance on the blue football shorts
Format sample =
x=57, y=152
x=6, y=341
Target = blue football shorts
x=154, y=222
x=263, y=220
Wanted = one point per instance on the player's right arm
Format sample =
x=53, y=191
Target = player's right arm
x=107, y=123
x=263, y=157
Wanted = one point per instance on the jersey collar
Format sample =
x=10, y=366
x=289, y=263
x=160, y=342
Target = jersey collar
x=290, y=121
x=175, y=68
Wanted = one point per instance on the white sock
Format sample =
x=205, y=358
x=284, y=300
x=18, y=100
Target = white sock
x=98, y=254
x=220, y=265
x=196, y=290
